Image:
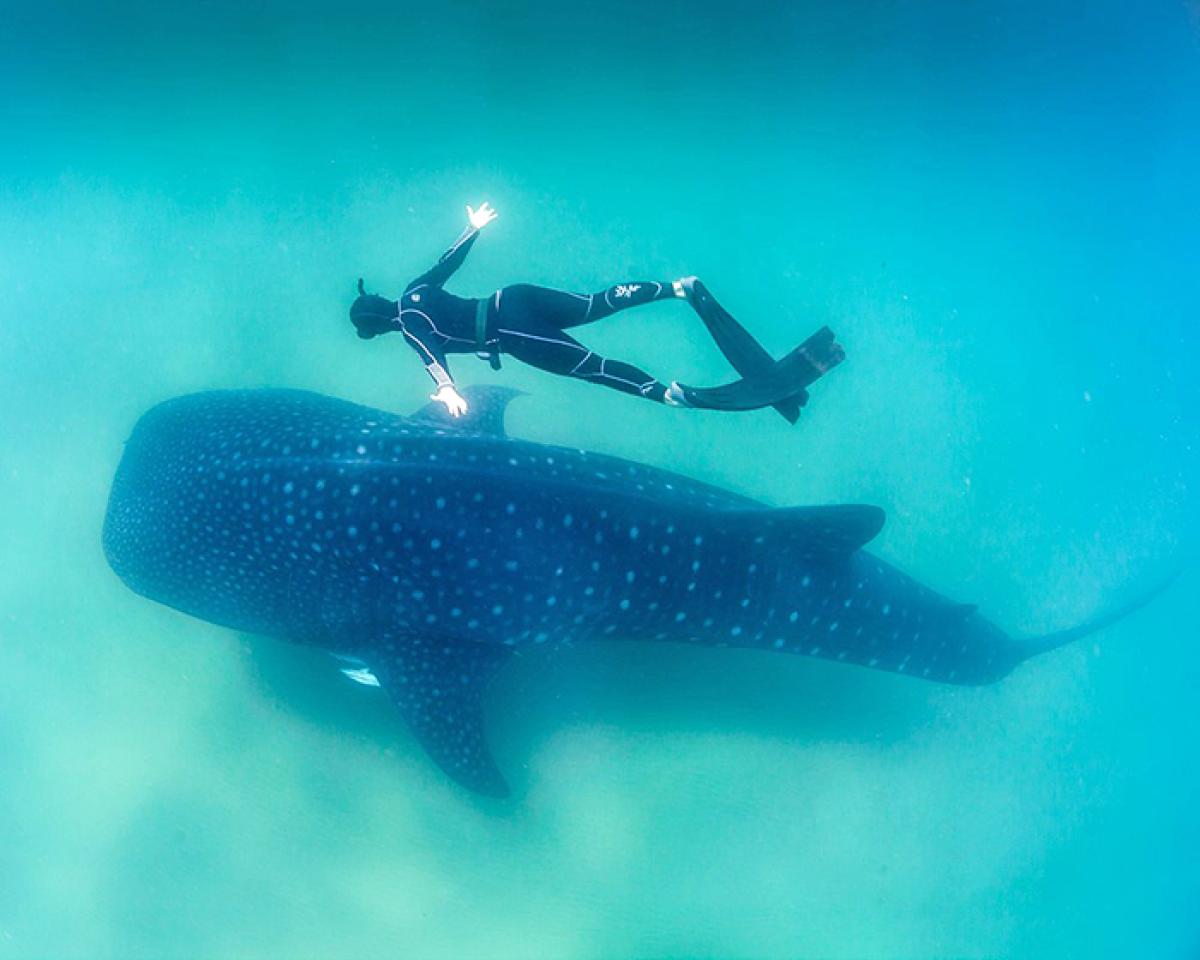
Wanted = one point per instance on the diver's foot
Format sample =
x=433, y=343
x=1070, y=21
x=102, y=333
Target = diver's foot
x=683, y=287
x=675, y=397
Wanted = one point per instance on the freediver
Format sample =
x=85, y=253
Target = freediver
x=529, y=323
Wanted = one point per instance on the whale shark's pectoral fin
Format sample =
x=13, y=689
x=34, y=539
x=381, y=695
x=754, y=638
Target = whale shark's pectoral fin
x=438, y=684
x=486, y=406
x=817, y=533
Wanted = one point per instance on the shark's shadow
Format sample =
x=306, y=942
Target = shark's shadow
x=647, y=688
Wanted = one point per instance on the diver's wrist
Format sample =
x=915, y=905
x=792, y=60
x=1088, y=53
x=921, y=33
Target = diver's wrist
x=441, y=376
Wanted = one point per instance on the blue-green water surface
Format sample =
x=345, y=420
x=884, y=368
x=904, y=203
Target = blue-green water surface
x=995, y=205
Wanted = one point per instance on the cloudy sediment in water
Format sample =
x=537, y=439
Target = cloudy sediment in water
x=993, y=208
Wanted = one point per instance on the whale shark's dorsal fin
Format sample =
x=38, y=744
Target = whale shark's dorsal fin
x=438, y=684
x=820, y=533
x=486, y=406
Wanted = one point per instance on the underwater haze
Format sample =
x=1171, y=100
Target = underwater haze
x=994, y=205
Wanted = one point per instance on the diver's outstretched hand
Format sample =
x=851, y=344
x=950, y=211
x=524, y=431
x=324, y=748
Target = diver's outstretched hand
x=482, y=217
x=456, y=405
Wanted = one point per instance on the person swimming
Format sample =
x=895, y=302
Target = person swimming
x=529, y=323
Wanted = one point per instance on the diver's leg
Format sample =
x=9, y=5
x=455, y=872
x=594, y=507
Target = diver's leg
x=550, y=349
x=622, y=296
x=745, y=353
x=563, y=309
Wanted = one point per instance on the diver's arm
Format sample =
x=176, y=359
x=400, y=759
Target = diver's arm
x=419, y=334
x=453, y=258
x=449, y=261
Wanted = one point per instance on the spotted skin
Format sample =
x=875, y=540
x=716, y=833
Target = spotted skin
x=428, y=550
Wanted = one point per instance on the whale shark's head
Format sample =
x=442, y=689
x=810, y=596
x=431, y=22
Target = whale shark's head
x=272, y=511
x=216, y=491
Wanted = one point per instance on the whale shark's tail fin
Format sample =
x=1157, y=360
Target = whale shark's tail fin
x=1031, y=646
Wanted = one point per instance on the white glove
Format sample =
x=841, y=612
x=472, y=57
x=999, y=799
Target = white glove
x=482, y=217
x=456, y=406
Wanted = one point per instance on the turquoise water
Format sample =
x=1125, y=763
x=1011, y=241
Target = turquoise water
x=995, y=207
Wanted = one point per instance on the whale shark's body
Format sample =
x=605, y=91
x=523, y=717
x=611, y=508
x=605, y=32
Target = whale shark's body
x=426, y=550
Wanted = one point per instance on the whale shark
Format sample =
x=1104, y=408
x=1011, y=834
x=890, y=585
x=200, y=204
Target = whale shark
x=424, y=551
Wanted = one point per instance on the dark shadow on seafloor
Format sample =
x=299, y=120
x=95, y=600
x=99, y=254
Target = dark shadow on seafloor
x=646, y=688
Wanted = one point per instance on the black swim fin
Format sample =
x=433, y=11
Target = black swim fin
x=739, y=395
x=783, y=382
x=815, y=357
x=749, y=358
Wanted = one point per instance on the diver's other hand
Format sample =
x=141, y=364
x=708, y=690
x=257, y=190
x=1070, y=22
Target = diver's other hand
x=456, y=406
x=482, y=217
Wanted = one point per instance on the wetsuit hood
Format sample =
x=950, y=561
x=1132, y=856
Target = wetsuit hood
x=372, y=315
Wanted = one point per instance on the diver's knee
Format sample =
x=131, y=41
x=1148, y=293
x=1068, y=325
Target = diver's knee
x=683, y=287
x=590, y=367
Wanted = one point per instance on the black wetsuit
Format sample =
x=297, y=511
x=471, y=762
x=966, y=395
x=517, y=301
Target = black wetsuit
x=524, y=321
